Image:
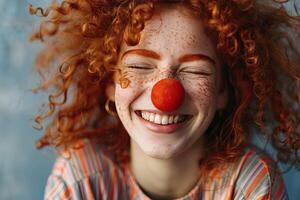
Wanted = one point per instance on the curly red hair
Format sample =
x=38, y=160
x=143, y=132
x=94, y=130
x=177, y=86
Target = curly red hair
x=255, y=42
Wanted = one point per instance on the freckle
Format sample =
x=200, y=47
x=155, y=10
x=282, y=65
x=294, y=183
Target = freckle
x=138, y=83
x=118, y=107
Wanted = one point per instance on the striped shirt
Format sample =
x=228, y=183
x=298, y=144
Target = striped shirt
x=90, y=173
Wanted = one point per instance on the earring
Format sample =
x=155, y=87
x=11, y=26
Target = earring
x=108, y=110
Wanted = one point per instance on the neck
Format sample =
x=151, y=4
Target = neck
x=166, y=178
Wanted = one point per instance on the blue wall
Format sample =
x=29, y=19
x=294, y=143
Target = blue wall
x=23, y=169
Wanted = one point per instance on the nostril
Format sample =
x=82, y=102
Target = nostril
x=167, y=94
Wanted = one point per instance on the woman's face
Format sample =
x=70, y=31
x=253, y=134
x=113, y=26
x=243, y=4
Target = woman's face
x=172, y=45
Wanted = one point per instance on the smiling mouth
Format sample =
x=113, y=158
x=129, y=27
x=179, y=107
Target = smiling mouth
x=162, y=119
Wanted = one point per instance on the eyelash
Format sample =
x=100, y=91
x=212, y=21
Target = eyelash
x=197, y=73
x=138, y=67
x=192, y=72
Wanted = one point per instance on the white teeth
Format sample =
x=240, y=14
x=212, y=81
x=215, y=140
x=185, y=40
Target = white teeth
x=144, y=115
x=161, y=119
x=147, y=115
x=171, y=118
x=176, y=118
x=165, y=119
x=152, y=116
x=157, y=119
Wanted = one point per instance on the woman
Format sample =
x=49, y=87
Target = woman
x=188, y=80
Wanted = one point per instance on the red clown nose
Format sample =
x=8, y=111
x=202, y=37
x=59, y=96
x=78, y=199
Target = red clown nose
x=167, y=94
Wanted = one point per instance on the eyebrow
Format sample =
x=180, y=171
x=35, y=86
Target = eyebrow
x=195, y=57
x=143, y=52
x=184, y=58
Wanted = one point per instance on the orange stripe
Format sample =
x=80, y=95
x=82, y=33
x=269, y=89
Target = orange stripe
x=242, y=163
x=132, y=194
x=87, y=187
x=82, y=161
x=229, y=193
x=255, y=182
x=88, y=190
x=207, y=193
x=54, y=190
x=66, y=193
x=98, y=168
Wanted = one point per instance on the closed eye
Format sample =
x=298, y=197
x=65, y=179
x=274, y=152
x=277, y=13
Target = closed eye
x=197, y=72
x=139, y=67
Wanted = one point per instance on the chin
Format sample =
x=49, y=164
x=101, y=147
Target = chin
x=161, y=152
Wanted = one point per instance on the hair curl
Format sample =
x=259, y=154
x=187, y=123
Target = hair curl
x=255, y=42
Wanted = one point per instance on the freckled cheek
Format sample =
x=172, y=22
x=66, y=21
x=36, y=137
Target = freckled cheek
x=138, y=79
x=203, y=92
x=124, y=97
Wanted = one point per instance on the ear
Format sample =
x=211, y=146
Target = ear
x=110, y=91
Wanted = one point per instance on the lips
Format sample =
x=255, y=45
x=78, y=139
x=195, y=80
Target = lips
x=162, y=123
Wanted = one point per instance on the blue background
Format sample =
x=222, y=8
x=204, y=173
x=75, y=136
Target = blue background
x=23, y=169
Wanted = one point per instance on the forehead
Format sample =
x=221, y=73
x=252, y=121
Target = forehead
x=173, y=28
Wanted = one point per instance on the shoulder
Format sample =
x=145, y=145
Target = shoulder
x=82, y=162
x=86, y=172
x=256, y=176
